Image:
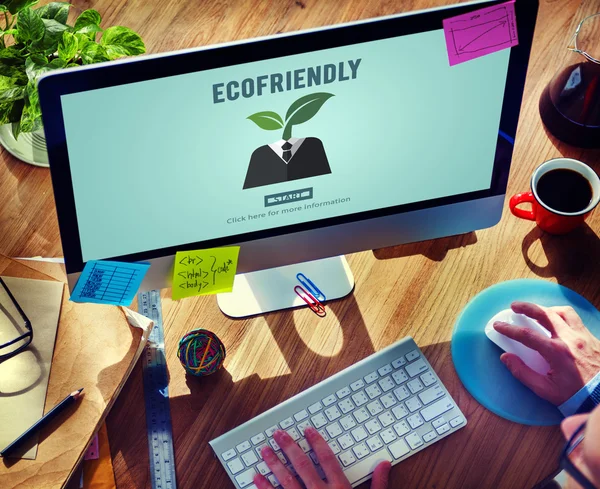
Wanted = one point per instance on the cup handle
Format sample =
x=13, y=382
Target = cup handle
x=517, y=199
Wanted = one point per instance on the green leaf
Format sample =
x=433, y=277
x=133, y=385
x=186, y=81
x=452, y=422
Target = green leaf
x=52, y=36
x=30, y=25
x=12, y=56
x=58, y=11
x=270, y=121
x=90, y=31
x=303, y=110
x=5, y=110
x=11, y=94
x=82, y=40
x=122, y=41
x=87, y=17
x=35, y=66
x=67, y=46
x=15, y=6
x=93, y=53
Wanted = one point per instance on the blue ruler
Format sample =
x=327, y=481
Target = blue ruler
x=156, y=396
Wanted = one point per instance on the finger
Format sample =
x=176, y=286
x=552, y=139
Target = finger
x=284, y=476
x=261, y=482
x=528, y=337
x=536, y=382
x=381, y=475
x=569, y=316
x=327, y=459
x=303, y=465
x=591, y=451
x=545, y=316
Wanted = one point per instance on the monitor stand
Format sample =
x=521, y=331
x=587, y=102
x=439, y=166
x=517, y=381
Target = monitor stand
x=273, y=289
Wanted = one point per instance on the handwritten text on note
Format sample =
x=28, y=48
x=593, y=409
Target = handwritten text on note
x=204, y=272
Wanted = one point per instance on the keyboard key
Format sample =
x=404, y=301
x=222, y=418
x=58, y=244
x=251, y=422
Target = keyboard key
x=401, y=428
x=263, y=468
x=375, y=408
x=334, y=430
x=438, y=422
x=359, y=433
x=374, y=443
x=335, y=448
x=273, y=480
x=456, y=422
x=437, y=408
x=416, y=368
x=343, y=392
x=229, y=454
x=293, y=432
x=388, y=436
x=242, y=447
x=402, y=393
x=428, y=378
x=373, y=426
x=333, y=413
x=427, y=437
x=324, y=435
x=372, y=377
x=304, y=445
x=414, y=441
x=366, y=466
x=314, y=408
x=431, y=394
x=286, y=423
x=388, y=400
x=302, y=426
x=359, y=384
x=329, y=400
x=373, y=391
x=235, y=466
x=415, y=421
x=361, y=415
x=301, y=415
x=386, y=384
x=347, y=422
x=345, y=441
x=386, y=369
x=271, y=431
x=259, y=449
x=443, y=429
x=346, y=406
x=319, y=420
x=413, y=404
x=274, y=445
x=249, y=459
x=400, y=411
x=399, y=362
x=347, y=458
x=415, y=386
x=361, y=450
x=360, y=398
x=386, y=419
x=399, y=449
x=412, y=355
x=400, y=376
x=245, y=478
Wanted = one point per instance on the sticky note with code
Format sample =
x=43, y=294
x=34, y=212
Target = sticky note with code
x=483, y=31
x=109, y=282
x=204, y=272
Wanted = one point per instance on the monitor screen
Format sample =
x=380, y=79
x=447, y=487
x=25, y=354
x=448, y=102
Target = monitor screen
x=279, y=142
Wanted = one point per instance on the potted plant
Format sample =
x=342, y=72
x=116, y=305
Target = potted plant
x=36, y=41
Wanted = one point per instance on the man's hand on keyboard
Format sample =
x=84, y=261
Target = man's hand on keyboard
x=572, y=352
x=305, y=468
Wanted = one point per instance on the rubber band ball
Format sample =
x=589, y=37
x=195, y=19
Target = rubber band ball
x=201, y=352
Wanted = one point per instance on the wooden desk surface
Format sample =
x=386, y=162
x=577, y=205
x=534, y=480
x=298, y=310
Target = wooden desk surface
x=417, y=289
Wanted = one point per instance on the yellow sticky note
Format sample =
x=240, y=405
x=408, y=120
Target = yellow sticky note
x=204, y=272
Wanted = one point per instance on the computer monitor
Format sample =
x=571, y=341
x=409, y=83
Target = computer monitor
x=295, y=147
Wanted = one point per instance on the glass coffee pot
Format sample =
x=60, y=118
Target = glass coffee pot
x=570, y=104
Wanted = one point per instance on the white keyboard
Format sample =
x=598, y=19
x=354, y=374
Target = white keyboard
x=388, y=406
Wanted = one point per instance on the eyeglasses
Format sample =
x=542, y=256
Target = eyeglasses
x=568, y=465
x=591, y=22
x=22, y=341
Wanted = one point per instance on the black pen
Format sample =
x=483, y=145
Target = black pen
x=44, y=420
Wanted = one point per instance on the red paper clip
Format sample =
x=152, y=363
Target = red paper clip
x=311, y=300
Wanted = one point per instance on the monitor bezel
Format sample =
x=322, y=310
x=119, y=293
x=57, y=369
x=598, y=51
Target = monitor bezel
x=54, y=85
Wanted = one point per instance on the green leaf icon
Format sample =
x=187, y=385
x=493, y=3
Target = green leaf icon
x=268, y=120
x=304, y=109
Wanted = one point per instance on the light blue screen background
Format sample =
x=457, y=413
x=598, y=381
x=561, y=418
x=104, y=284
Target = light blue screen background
x=408, y=128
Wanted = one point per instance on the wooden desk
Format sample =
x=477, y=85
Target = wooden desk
x=417, y=289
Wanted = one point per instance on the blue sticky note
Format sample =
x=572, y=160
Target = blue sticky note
x=109, y=282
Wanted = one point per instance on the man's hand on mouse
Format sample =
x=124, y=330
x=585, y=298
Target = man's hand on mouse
x=572, y=352
x=305, y=468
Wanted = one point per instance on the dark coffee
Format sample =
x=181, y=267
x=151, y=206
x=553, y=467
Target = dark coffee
x=564, y=190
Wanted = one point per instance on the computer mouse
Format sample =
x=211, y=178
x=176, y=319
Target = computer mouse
x=530, y=357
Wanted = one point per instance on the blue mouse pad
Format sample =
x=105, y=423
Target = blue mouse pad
x=477, y=359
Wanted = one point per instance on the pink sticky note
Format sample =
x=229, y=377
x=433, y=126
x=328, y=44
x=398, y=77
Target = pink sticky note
x=480, y=32
x=93, y=451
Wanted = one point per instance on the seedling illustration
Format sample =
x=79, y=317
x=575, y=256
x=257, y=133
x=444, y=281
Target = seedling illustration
x=302, y=110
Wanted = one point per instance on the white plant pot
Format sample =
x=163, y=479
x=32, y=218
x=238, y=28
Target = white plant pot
x=30, y=147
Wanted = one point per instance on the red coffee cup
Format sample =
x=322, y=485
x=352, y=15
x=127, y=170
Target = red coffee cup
x=552, y=220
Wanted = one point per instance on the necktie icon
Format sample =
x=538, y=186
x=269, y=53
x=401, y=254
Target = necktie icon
x=287, y=152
